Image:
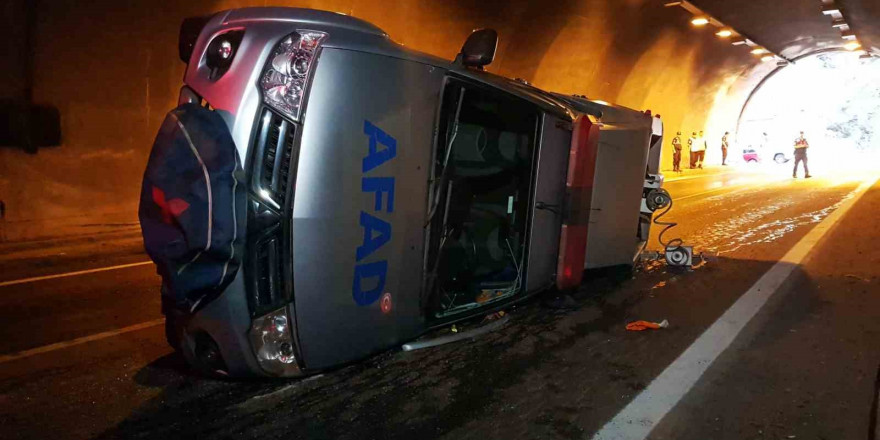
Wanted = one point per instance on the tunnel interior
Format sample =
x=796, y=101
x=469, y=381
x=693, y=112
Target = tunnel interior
x=782, y=296
x=111, y=92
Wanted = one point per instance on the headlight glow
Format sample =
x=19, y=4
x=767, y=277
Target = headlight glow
x=286, y=74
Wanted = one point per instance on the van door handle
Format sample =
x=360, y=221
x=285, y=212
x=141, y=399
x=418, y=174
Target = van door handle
x=547, y=207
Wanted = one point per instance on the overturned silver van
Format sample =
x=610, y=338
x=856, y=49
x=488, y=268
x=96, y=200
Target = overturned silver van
x=388, y=192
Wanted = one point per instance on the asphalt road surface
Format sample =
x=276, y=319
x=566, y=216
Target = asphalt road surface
x=83, y=355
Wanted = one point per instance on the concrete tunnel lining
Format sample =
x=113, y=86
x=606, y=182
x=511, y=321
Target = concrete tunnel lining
x=113, y=90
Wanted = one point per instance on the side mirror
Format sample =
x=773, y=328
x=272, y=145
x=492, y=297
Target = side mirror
x=479, y=49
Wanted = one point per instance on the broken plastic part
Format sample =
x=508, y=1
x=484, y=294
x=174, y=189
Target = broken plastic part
x=638, y=326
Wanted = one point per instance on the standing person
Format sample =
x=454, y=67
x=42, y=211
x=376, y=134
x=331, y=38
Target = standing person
x=676, y=153
x=703, y=148
x=800, y=155
x=724, y=146
x=700, y=148
x=692, y=154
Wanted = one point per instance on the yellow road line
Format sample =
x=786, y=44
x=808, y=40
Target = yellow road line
x=699, y=176
x=72, y=274
x=706, y=192
x=78, y=341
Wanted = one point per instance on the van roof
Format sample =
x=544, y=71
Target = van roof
x=356, y=34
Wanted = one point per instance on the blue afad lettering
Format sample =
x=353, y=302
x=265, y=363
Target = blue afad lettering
x=370, y=276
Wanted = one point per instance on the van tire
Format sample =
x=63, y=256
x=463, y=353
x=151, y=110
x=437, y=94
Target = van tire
x=779, y=158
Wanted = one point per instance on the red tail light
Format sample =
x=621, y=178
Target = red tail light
x=579, y=194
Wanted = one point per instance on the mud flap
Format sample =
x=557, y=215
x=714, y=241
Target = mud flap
x=192, y=208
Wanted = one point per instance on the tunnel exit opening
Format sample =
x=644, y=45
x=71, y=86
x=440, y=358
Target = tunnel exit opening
x=833, y=97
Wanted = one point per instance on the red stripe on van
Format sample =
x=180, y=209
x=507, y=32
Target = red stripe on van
x=579, y=195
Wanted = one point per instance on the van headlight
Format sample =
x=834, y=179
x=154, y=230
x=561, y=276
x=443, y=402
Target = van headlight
x=286, y=74
x=273, y=344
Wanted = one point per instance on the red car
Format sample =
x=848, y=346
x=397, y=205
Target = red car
x=751, y=156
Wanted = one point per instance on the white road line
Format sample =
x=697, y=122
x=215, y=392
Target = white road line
x=71, y=274
x=638, y=419
x=78, y=341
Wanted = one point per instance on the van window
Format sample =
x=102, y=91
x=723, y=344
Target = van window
x=480, y=197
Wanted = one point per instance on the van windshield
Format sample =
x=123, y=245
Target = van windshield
x=480, y=199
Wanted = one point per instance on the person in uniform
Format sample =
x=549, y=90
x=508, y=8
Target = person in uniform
x=676, y=152
x=724, y=146
x=800, y=155
x=700, y=149
x=692, y=154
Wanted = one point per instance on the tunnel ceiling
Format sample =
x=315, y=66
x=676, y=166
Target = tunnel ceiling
x=794, y=28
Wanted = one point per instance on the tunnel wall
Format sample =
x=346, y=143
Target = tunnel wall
x=13, y=49
x=111, y=68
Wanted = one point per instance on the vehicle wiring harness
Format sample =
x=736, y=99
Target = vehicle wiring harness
x=659, y=199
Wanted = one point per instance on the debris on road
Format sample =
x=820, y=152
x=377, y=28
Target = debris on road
x=493, y=316
x=650, y=265
x=650, y=256
x=709, y=256
x=638, y=326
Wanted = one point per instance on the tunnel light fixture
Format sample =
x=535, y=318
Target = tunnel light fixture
x=839, y=23
x=700, y=18
x=847, y=35
x=830, y=9
x=759, y=51
x=852, y=45
x=767, y=58
x=781, y=63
